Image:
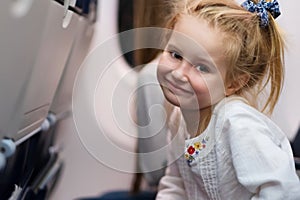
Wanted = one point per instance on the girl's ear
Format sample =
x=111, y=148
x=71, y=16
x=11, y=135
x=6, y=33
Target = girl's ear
x=235, y=85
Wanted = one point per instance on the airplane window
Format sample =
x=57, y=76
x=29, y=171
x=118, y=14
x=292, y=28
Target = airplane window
x=136, y=14
x=125, y=22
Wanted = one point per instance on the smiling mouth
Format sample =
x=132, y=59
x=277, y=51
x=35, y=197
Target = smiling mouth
x=175, y=89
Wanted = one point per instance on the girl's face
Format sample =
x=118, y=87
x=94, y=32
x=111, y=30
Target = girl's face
x=192, y=68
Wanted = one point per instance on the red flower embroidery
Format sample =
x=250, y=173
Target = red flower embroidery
x=191, y=150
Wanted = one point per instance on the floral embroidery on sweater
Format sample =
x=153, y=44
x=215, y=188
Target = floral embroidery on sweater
x=193, y=150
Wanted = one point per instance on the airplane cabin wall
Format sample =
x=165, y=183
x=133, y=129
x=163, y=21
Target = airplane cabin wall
x=287, y=112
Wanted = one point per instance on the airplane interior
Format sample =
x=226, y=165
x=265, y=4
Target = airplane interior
x=69, y=76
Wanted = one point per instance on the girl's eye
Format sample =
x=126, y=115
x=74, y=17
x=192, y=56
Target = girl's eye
x=175, y=55
x=202, y=68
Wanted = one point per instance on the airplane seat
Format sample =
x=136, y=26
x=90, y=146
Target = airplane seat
x=62, y=100
x=38, y=46
x=152, y=123
x=60, y=108
x=30, y=166
x=14, y=173
x=21, y=39
x=71, y=43
x=58, y=37
x=46, y=165
x=296, y=149
x=42, y=147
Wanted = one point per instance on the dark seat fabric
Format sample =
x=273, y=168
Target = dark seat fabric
x=124, y=195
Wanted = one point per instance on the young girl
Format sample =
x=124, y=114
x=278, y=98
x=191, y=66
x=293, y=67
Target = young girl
x=219, y=57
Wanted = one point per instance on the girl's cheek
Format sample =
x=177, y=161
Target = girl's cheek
x=160, y=72
x=162, y=67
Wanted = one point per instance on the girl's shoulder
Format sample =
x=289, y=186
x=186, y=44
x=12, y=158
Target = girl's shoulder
x=238, y=107
x=237, y=117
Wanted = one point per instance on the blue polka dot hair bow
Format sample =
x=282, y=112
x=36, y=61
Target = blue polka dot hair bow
x=262, y=8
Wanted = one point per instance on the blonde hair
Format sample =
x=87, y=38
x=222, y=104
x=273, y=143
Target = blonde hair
x=250, y=49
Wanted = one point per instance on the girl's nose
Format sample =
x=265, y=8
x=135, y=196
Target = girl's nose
x=179, y=76
x=180, y=72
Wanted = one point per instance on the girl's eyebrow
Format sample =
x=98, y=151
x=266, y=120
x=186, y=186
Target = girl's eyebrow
x=172, y=46
x=204, y=59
